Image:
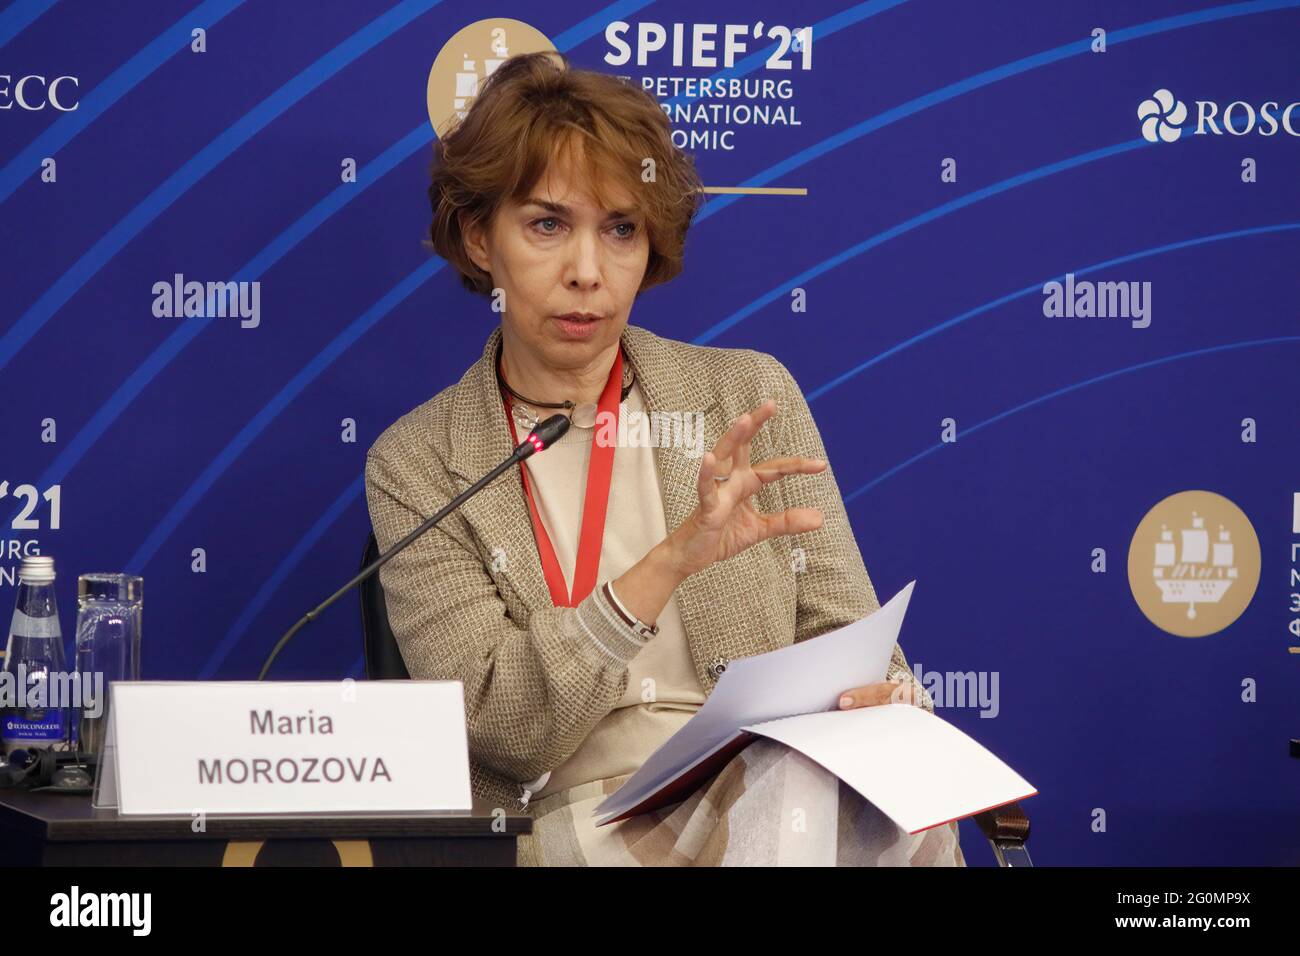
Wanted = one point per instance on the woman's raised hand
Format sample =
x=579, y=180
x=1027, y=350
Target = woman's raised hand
x=725, y=522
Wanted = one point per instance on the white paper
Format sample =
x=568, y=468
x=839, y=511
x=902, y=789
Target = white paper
x=800, y=678
x=918, y=769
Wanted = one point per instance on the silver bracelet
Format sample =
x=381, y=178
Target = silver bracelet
x=641, y=628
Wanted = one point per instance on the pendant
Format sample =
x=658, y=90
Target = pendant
x=584, y=416
x=525, y=417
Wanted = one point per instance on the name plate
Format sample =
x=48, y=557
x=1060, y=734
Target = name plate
x=226, y=747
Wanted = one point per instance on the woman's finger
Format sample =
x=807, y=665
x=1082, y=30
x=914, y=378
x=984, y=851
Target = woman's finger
x=774, y=468
x=740, y=457
x=722, y=448
x=743, y=429
x=790, y=521
x=726, y=445
x=706, y=487
x=757, y=418
x=871, y=695
x=762, y=412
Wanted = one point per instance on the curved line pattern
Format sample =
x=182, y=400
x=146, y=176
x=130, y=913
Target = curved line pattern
x=1129, y=33
x=162, y=356
x=422, y=133
x=421, y=136
x=222, y=461
x=863, y=489
x=954, y=90
x=209, y=477
x=355, y=490
x=839, y=380
x=277, y=577
x=20, y=16
x=938, y=212
x=111, y=89
x=286, y=566
x=202, y=163
x=288, y=393
x=820, y=30
x=145, y=63
x=586, y=29
x=224, y=458
x=908, y=225
x=318, y=364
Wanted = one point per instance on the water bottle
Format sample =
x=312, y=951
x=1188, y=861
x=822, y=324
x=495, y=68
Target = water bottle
x=34, y=656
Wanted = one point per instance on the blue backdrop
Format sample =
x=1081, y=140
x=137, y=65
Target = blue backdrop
x=146, y=437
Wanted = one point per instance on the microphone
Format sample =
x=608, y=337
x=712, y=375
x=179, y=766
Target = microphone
x=543, y=435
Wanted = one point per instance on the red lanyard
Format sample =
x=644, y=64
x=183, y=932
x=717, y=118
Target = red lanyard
x=599, y=471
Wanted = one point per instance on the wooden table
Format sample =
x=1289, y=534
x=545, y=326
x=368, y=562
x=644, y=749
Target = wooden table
x=58, y=829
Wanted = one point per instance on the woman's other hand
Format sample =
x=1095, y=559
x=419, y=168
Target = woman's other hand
x=725, y=522
x=884, y=692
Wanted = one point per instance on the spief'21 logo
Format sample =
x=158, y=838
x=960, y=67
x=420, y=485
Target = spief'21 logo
x=1193, y=564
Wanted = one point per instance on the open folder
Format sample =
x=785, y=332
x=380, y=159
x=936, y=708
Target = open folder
x=918, y=769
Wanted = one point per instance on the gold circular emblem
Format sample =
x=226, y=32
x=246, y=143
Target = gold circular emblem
x=466, y=61
x=1193, y=564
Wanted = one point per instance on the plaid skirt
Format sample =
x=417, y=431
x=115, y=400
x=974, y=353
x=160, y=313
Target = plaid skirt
x=769, y=806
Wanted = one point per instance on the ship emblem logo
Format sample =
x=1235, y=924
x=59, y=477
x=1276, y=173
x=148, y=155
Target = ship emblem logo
x=1193, y=576
x=1194, y=563
x=466, y=61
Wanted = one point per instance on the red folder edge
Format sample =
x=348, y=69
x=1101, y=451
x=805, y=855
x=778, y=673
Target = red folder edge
x=681, y=787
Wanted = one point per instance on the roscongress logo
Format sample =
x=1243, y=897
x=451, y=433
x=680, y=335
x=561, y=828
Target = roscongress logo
x=1163, y=115
x=1193, y=564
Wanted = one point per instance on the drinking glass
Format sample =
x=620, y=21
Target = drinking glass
x=109, y=612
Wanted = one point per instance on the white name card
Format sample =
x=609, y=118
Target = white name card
x=213, y=747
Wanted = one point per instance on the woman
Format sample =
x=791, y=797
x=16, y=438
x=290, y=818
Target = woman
x=590, y=603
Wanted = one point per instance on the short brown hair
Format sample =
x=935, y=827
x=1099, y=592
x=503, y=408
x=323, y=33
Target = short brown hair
x=530, y=109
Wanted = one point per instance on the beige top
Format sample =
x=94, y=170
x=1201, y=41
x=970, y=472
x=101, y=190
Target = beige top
x=662, y=690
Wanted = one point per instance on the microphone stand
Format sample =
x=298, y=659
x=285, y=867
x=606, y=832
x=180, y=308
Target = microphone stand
x=540, y=438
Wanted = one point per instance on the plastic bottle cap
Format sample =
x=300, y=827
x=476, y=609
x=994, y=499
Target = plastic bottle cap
x=37, y=569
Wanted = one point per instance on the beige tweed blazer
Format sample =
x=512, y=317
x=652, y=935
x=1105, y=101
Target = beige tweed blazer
x=468, y=600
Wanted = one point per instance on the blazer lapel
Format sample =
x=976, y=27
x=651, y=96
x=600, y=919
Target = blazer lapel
x=670, y=387
x=499, y=512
